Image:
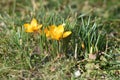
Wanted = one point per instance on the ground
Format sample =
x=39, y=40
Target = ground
x=90, y=52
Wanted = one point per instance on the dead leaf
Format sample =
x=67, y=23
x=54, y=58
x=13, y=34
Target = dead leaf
x=52, y=68
x=92, y=56
x=83, y=45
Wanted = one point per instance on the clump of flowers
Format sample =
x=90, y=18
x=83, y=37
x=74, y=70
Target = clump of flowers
x=56, y=32
x=53, y=31
x=33, y=26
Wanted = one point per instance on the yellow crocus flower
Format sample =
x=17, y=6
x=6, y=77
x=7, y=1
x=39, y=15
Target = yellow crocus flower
x=33, y=26
x=56, y=33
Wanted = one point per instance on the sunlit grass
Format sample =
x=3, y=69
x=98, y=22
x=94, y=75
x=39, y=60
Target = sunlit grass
x=91, y=48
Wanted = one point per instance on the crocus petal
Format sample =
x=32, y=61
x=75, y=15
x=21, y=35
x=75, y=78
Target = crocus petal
x=60, y=28
x=47, y=32
x=34, y=22
x=56, y=32
x=57, y=37
x=52, y=28
x=40, y=26
x=67, y=33
x=35, y=28
x=29, y=29
x=26, y=25
x=52, y=31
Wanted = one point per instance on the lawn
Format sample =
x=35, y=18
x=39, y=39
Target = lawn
x=59, y=39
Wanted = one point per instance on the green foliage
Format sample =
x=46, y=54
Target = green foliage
x=92, y=48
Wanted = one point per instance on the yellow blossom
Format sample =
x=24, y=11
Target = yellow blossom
x=33, y=26
x=56, y=33
x=47, y=32
x=67, y=33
